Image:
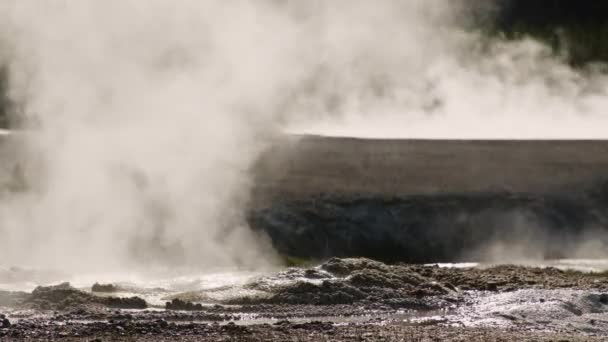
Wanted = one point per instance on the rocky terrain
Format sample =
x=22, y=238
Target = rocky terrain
x=283, y=331
x=341, y=299
x=405, y=203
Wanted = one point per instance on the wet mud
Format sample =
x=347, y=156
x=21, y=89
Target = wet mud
x=340, y=299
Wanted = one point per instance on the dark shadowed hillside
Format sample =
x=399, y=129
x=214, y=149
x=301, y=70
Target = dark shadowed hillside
x=426, y=200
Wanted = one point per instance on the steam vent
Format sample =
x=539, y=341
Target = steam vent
x=431, y=200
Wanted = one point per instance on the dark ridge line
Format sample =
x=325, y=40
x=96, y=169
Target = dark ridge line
x=416, y=196
x=451, y=140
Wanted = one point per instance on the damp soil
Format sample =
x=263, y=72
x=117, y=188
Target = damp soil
x=340, y=299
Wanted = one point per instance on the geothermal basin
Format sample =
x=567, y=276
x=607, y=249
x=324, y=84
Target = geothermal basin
x=445, y=220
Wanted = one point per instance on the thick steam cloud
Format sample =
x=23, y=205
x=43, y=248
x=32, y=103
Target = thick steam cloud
x=144, y=116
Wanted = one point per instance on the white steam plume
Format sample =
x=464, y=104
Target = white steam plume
x=148, y=113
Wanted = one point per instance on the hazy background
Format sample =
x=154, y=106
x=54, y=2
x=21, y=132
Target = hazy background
x=145, y=116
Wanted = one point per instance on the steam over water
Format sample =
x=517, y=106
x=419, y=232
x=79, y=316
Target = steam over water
x=145, y=116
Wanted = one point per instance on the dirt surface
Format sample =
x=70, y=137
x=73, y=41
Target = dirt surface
x=396, y=200
x=282, y=331
x=341, y=299
x=511, y=278
x=65, y=297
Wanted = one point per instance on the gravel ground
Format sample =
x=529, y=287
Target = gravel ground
x=339, y=300
x=282, y=331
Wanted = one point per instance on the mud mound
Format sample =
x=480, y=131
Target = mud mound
x=509, y=278
x=64, y=296
x=60, y=297
x=360, y=281
x=123, y=303
x=345, y=267
x=104, y=288
x=4, y=322
x=375, y=284
x=177, y=304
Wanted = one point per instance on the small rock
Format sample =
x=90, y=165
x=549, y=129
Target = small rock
x=178, y=304
x=162, y=323
x=491, y=286
x=283, y=322
x=314, y=274
x=5, y=323
x=104, y=288
x=451, y=287
x=124, y=303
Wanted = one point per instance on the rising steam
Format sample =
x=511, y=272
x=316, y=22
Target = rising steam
x=145, y=115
